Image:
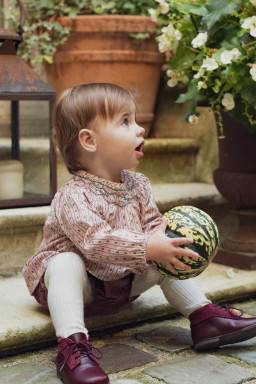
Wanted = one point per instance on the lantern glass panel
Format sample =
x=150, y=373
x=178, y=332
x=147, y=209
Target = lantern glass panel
x=25, y=153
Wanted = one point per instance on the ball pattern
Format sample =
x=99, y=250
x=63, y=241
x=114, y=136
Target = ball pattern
x=192, y=222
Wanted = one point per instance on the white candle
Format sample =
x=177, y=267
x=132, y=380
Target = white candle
x=11, y=179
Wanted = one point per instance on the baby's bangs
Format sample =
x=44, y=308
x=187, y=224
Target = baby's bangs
x=115, y=104
x=108, y=100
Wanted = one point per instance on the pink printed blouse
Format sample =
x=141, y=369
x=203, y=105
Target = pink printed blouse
x=106, y=223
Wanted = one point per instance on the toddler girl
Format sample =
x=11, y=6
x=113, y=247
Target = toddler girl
x=103, y=233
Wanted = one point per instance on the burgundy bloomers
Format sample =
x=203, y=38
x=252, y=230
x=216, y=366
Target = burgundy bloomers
x=108, y=296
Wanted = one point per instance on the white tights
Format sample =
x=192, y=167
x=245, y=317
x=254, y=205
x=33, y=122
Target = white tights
x=69, y=288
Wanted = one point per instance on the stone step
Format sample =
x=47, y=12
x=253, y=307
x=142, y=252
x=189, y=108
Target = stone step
x=21, y=228
x=24, y=325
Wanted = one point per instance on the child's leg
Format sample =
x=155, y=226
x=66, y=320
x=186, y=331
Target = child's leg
x=184, y=295
x=66, y=282
x=211, y=325
x=68, y=289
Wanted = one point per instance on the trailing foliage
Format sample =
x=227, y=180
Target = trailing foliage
x=211, y=47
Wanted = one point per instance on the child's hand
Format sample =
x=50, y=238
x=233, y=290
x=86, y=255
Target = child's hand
x=165, y=250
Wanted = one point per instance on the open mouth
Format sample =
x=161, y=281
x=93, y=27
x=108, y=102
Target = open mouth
x=139, y=148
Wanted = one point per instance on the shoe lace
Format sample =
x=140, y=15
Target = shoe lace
x=79, y=349
x=230, y=309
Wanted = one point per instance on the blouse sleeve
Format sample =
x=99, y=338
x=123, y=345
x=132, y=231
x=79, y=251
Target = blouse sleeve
x=96, y=240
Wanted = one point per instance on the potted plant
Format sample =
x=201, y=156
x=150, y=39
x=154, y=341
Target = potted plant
x=210, y=48
x=95, y=41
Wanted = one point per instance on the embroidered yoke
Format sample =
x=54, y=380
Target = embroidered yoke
x=106, y=223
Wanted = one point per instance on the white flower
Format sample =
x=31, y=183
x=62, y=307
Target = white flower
x=193, y=119
x=199, y=40
x=172, y=82
x=200, y=73
x=228, y=101
x=201, y=84
x=235, y=53
x=153, y=14
x=227, y=56
x=169, y=40
x=170, y=31
x=164, y=45
x=209, y=63
x=253, y=2
x=253, y=72
x=164, y=7
x=250, y=23
x=170, y=73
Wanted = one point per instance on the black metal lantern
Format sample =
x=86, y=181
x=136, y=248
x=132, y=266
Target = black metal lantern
x=24, y=180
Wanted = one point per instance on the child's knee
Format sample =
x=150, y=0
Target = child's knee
x=68, y=262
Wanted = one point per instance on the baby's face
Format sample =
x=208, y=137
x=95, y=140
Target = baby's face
x=120, y=141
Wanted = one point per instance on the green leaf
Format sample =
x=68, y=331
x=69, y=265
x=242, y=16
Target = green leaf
x=191, y=92
x=216, y=55
x=48, y=58
x=191, y=8
x=248, y=93
x=98, y=10
x=231, y=42
x=191, y=110
x=218, y=10
x=182, y=56
x=140, y=36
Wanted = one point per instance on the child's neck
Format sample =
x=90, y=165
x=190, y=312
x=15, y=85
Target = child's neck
x=111, y=176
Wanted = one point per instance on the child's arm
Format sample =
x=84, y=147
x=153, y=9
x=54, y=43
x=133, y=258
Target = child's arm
x=88, y=231
x=164, y=250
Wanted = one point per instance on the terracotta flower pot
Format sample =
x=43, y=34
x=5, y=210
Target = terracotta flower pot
x=100, y=49
x=236, y=181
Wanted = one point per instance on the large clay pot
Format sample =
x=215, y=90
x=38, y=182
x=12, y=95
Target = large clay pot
x=100, y=49
x=236, y=181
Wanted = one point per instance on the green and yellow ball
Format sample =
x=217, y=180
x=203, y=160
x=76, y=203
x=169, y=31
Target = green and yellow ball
x=191, y=222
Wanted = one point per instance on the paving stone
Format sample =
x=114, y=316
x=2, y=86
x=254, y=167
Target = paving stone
x=31, y=373
x=118, y=357
x=244, y=351
x=126, y=381
x=199, y=369
x=171, y=339
x=249, y=307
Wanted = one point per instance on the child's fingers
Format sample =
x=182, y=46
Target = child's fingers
x=186, y=252
x=183, y=251
x=181, y=240
x=172, y=269
x=179, y=264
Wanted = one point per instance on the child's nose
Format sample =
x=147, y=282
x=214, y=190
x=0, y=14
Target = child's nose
x=140, y=130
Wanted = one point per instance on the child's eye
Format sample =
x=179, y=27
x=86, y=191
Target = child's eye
x=125, y=122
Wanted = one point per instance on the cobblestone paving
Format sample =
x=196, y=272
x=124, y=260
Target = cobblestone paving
x=152, y=353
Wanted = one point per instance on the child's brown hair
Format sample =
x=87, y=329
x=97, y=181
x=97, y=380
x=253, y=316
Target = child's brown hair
x=77, y=108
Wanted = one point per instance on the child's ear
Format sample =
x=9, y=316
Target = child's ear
x=87, y=140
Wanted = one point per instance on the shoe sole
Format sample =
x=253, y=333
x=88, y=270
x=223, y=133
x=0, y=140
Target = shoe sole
x=231, y=338
x=64, y=381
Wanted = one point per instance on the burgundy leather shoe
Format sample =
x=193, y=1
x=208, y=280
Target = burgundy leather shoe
x=77, y=363
x=213, y=326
